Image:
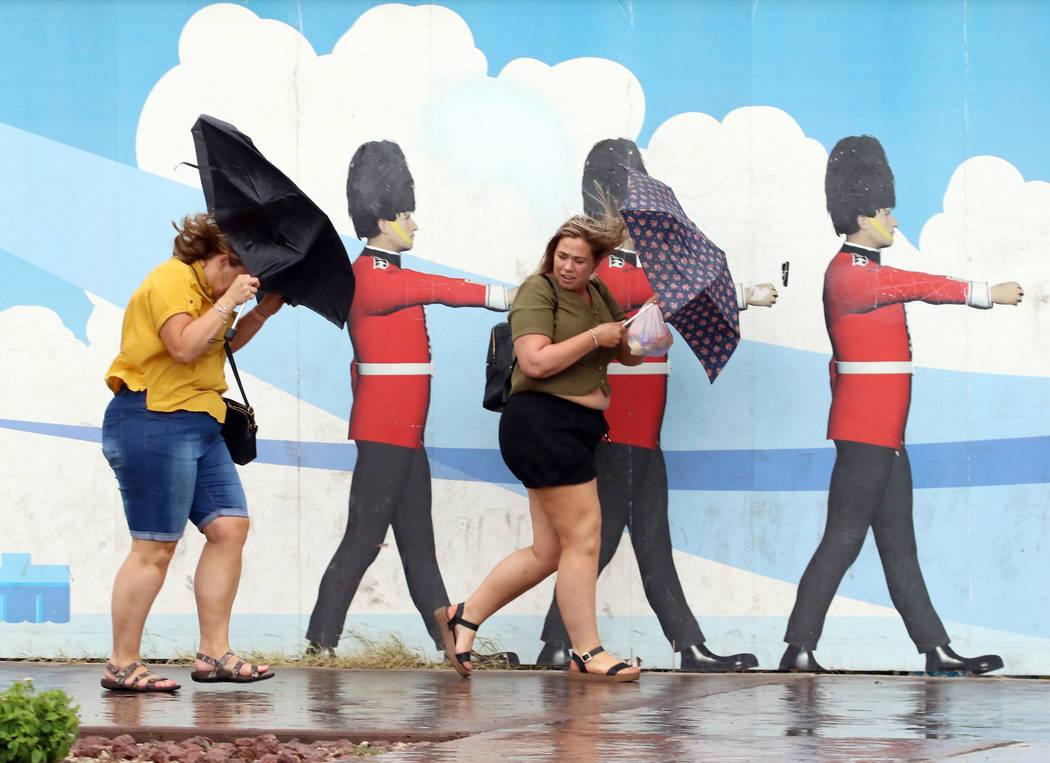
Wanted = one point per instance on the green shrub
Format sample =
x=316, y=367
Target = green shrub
x=36, y=728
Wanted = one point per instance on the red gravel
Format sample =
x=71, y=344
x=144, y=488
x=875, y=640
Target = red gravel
x=264, y=749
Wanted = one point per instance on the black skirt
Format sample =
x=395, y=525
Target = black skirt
x=548, y=441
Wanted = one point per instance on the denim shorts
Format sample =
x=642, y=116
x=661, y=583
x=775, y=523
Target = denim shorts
x=170, y=467
x=548, y=441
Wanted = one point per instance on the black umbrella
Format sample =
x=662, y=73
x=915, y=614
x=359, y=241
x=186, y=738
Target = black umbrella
x=281, y=236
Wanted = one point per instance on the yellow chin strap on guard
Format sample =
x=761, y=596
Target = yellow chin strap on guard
x=401, y=233
x=878, y=226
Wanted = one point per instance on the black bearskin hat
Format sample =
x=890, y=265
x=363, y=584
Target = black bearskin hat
x=378, y=186
x=858, y=181
x=604, y=170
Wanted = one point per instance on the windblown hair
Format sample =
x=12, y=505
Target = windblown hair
x=858, y=181
x=378, y=186
x=199, y=237
x=605, y=174
x=603, y=235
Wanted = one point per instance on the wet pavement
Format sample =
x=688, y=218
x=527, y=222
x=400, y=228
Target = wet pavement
x=539, y=715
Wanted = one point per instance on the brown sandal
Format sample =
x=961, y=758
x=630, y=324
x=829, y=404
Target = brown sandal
x=123, y=681
x=219, y=673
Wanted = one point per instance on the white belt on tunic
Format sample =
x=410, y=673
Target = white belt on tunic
x=395, y=369
x=644, y=369
x=873, y=366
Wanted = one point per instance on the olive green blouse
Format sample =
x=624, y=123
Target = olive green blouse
x=533, y=313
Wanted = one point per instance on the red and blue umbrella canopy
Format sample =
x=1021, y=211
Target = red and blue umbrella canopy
x=687, y=272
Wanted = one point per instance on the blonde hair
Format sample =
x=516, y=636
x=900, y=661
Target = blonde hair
x=602, y=235
x=199, y=238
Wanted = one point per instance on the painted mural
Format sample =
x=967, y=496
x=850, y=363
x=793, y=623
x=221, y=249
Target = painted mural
x=823, y=147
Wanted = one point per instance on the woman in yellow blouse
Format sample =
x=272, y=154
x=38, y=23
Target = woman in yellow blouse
x=162, y=436
x=567, y=328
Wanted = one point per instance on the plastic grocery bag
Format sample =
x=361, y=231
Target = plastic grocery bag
x=647, y=333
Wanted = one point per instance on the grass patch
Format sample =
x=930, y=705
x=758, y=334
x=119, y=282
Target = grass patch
x=389, y=653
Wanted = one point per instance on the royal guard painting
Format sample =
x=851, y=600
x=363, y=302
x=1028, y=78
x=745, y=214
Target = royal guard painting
x=390, y=377
x=871, y=379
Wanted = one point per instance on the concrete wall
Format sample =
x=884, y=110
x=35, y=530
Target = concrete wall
x=496, y=105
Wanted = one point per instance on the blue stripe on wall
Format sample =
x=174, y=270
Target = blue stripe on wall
x=1007, y=461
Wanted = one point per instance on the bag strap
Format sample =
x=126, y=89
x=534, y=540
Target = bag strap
x=230, y=333
x=554, y=292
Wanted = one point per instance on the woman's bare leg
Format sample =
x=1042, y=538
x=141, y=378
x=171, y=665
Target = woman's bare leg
x=136, y=586
x=215, y=586
x=566, y=523
x=512, y=576
x=575, y=514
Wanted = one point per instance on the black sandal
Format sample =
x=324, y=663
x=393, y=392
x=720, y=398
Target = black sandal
x=122, y=680
x=612, y=675
x=219, y=673
x=445, y=626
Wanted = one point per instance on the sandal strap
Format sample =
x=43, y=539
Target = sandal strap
x=583, y=658
x=457, y=619
x=127, y=676
x=152, y=680
x=235, y=671
x=209, y=660
x=586, y=656
x=122, y=676
x=219, y=666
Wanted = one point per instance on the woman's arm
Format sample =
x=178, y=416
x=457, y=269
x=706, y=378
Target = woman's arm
x=249, y=325
x=186, y=338
x=540, y=358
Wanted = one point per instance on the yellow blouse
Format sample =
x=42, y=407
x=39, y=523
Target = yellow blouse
x=144, y=364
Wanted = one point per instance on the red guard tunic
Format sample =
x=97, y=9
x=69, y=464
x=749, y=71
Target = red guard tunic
x=871, y=348
x=636, y=411
x=390, y=373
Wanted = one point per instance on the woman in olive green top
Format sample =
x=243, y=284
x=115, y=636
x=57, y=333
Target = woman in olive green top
x=566, y=328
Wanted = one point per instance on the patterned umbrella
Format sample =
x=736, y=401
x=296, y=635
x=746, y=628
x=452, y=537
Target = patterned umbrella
x=688, y=273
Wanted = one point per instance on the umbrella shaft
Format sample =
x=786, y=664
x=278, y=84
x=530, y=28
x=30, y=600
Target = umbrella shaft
x=630, y=320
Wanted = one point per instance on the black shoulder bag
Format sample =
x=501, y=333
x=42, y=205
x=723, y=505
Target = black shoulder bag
x=239, y=428
x=500, y=362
